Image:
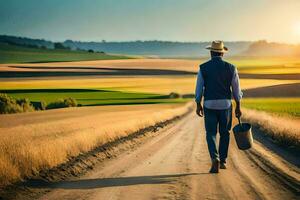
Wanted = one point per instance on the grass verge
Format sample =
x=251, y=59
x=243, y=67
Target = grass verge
x=26, y=150
x=284, y=130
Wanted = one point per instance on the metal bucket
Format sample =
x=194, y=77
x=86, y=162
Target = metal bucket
x=243, y=135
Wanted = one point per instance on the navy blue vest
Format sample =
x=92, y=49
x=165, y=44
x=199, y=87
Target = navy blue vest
x=217, y=75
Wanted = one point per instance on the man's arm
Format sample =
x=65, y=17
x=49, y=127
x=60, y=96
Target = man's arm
x=199, y=94
x=237, y=93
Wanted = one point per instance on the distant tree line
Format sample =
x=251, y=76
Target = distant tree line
x=157, y=48
x=26, y=45
x=40, y=44
x=26, y=42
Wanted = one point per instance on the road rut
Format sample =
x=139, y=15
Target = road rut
x=173, y=165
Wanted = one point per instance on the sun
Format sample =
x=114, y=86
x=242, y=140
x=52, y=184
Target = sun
x=297, y=29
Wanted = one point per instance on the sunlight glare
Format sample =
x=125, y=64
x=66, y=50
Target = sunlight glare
x=297, y=29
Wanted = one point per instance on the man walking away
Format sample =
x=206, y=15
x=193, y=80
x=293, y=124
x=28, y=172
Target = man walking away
x=216, y=81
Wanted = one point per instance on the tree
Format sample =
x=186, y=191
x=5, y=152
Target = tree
x=58, y=45
x=43, y=47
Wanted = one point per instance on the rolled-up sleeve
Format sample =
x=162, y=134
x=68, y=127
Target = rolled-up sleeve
x=199, y=87
x=236, y=88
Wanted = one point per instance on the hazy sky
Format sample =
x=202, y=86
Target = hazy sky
x=182, y=20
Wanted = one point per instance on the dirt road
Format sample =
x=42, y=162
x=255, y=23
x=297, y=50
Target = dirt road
x=174, y=165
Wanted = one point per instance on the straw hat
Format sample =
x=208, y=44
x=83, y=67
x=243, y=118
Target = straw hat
x=217, y=46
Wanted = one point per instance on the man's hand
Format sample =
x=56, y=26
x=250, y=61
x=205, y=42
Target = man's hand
x=238, y=112
x=199, y=110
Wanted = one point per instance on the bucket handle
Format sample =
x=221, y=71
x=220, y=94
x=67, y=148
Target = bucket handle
x=240, y=122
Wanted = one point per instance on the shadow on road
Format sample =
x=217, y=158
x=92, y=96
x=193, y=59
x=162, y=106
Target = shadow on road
x=109, y=182
x=286, y=152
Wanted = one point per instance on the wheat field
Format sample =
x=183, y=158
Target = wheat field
x=30, y=142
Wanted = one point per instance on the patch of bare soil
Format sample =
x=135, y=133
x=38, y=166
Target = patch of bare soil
x=295, y=76
x=283, y=90
x=94, y=72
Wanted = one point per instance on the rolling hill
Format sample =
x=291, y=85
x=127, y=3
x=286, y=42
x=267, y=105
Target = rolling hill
x=22, y=54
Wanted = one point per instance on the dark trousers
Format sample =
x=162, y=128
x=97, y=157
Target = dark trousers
x=213, y=120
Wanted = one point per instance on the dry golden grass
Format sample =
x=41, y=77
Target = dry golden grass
x=30, y=142
x=282, y=128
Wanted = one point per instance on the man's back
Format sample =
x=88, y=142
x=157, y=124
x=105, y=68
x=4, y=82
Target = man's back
x=217, y=75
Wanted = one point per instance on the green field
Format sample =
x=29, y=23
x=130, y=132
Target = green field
x=91, y=97
x=18, y=54
x=280, y=106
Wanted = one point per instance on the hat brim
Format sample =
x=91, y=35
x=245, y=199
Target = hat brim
x=224, y=50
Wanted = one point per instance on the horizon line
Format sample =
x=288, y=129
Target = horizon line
x=149, y=40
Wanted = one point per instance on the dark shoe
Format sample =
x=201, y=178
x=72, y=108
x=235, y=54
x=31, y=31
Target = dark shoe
x=223, y=165
x=215, y=167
